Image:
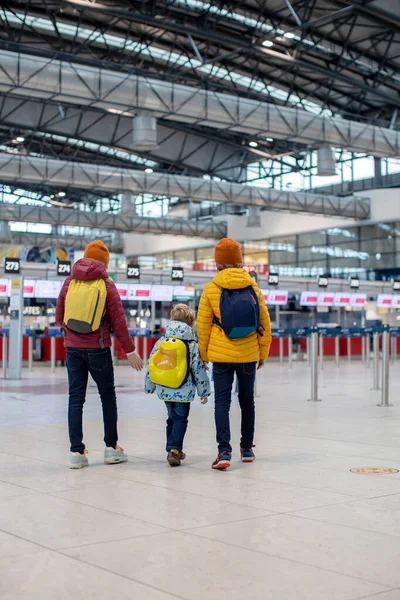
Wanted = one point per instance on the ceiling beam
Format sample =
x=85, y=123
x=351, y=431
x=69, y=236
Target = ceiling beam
x=21, y=169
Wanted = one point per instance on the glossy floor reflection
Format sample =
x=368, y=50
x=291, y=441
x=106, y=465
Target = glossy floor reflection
x=294, y=525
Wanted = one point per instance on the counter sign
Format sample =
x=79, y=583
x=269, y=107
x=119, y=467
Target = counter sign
x=12, y=266
x=177, y=274
x=64, y=268
x=133, y=272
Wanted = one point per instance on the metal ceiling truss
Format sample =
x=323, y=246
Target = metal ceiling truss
x=58, y=241
x=106, y=221
x=25, y=169
x=333, y=56
x=199, y=152
x=62, y=81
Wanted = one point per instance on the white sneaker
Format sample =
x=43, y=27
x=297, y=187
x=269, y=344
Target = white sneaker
x=78, y=460
x=114, y=455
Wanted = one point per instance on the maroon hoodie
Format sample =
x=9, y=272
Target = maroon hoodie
x=87, y=269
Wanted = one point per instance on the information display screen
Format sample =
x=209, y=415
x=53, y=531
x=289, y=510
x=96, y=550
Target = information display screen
x=384, y=301
x=162, y=293
x=29, y=288
x=265, y=293
x=46, y=288
x=358, y=300
x=4, y=288
x=122, y=290
x=342, y=299
x=326, y=299
x=309, y=298
x=139, y=292
x=278, y=297
x=183, y=293
x=396, y=301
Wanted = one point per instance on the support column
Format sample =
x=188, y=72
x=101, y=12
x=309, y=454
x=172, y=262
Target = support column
x=16, y=316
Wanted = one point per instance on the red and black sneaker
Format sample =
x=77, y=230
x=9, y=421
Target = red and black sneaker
x=223, y=461
x=247, y=454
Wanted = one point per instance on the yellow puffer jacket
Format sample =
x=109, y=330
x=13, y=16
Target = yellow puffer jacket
x=214, y=345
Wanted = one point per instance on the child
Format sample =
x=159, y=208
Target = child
x=175, y=371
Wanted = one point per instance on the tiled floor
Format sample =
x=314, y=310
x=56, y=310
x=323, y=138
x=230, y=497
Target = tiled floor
x=294, y=525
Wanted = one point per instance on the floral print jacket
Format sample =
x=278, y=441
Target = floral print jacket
x=197, y=379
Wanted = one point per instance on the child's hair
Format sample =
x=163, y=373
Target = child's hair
x=181, y=312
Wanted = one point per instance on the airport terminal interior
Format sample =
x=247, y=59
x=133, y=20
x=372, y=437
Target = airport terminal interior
x=160, y=128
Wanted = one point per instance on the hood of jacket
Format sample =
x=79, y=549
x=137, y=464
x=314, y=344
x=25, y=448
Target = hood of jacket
x=233, y=279
x=179, y=330
x=87, y=269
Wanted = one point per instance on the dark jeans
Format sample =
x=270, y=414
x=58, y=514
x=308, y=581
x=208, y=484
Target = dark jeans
x=223, y=380
x=97, y=362
x=177, y=422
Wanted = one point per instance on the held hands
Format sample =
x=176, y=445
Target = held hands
x=204, y=400
x=260, y=364
x=135, y=361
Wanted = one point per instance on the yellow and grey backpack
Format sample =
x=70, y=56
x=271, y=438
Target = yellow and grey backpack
x=85, y=305
x=170, y=364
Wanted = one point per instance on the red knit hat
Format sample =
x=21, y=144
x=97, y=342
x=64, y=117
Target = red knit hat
x=97, y=250
x=228, y=254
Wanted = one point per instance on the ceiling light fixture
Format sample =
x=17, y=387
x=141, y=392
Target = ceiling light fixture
x=268, y=43
x=61, y=194
x=289, y=35
x=270, y=139
x=20, y=139
x=148, y=170
x=253, y=144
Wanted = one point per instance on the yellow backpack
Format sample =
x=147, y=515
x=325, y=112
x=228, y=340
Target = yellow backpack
x=85, y=305
x=170, y=364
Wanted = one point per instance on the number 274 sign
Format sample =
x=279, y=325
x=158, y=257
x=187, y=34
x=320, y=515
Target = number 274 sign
x=64, y=268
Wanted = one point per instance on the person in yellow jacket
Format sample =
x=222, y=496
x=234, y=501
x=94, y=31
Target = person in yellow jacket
x=230, y=355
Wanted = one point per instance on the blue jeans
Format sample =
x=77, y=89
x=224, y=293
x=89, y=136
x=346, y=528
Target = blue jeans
x=97, y=362
x=177, y=422
x=223, y=380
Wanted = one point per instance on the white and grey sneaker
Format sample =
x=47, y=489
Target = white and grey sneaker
x=78, y=460
x=114, y=455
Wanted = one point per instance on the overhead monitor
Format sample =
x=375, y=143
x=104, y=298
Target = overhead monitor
x=122, y=290
x=396, y=301
x=4, y=284
x=29, y=288
x=162, y=293
x=278, y=297
x=342, y=299
x=326, y=299
x=358, y=300
x=47, y=288
x=309, y=298
x=183, y=293
x=384, y=301
x=139, y=291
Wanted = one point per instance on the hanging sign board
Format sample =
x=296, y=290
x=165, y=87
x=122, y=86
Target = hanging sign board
x=12, y=266
x=326, y=299
x=64, y=268
x=396, y=301
x=139, y=292
x=122, y=290
x=384, y=301
x=309, y=298
x=162, y=293
x=342, y=299
x=278, y=297
x=358, y=300
x=183, y=293
x=133, y=272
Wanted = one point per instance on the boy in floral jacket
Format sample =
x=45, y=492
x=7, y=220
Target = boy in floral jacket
x=177, y=401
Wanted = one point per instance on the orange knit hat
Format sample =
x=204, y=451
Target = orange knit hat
x=228, y=254
x=97, y=250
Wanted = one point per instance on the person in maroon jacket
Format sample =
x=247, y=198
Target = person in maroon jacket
x=90, y=353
